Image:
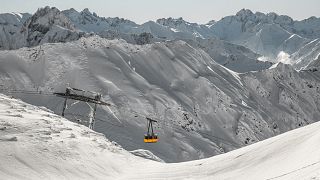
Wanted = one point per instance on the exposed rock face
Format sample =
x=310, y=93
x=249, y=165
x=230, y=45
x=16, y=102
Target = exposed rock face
x=47, y=25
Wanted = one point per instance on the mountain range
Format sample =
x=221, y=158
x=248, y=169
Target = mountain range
x=267, y=35
x=213, y=87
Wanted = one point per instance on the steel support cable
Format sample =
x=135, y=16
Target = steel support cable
x=131, y=112
x=179, y=128
x=17, y=91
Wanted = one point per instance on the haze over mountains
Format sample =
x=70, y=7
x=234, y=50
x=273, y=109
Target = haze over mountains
x=215, y=87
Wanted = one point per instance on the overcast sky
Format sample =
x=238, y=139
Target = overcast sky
x=200, y=11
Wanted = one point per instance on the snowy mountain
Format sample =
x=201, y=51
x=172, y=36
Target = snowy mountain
x=181, y=26
x=51, y=25
x=47, y=25
x=234, y=57
x=203, y=108
x=237, y=58
x=10, y=30
x=270, y=34
x=40, y=145
x=168, y=29
x=91, y=22
x=266, y=34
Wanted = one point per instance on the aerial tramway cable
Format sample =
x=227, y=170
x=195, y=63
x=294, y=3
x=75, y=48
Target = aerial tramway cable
x=135, y=113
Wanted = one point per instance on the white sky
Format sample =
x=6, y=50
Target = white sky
x=200, y=11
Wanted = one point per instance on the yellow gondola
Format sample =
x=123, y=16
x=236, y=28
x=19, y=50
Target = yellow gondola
x=150, y=137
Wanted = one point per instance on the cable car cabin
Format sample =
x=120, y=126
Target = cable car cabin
x=150, y=137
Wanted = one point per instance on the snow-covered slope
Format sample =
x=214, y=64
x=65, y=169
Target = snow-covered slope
x=314, y=64
x=307, y=55
x=203, y=108
x=234, y=57
x=36, y=144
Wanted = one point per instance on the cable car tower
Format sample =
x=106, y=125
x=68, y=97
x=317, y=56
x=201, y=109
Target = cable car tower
x=71, y=93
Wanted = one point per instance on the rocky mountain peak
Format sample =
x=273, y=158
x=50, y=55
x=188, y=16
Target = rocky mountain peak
x=243, y=14
x=279, y=19
x=212, y=22
x=247, y=15
x=70, y=11
x=47, y=17
x=48, y=24
x=171, y=21
x=86, y=11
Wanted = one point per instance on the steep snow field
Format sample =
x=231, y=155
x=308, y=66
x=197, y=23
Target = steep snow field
x=36, y=144
x=203, y=108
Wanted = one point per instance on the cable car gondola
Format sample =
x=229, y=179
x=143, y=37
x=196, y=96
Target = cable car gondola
x=150, y=137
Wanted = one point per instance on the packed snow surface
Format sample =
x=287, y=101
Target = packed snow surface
x=36, y=144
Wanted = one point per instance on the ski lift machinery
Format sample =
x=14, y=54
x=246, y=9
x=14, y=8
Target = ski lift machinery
x=150, y=137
